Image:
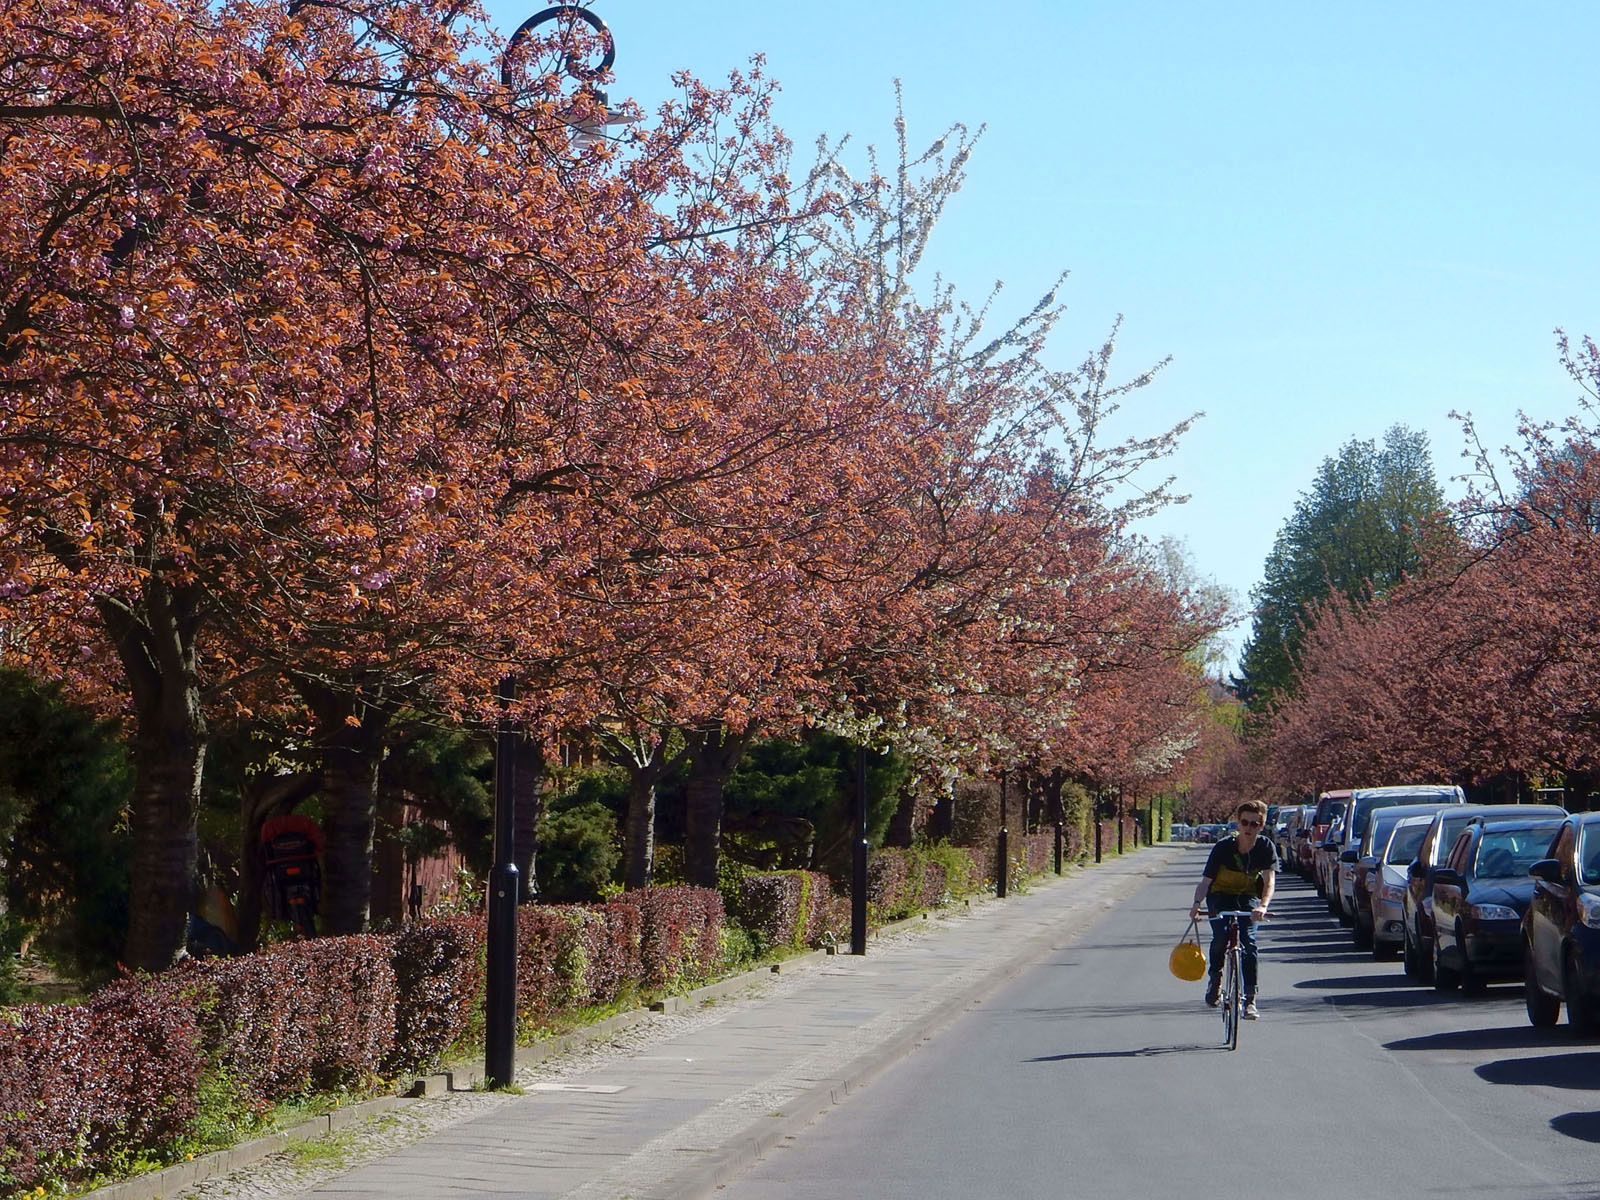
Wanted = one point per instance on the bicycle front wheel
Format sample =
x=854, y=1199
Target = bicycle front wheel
x=1232, y=1000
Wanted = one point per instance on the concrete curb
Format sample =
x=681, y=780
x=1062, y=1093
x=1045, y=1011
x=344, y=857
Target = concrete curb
x=173, y=1179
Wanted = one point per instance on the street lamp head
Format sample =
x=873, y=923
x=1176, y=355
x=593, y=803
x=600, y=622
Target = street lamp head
x=590, y=115
x=570, y=16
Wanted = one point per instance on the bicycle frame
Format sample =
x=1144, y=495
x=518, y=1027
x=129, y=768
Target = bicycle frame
x=1231, y=997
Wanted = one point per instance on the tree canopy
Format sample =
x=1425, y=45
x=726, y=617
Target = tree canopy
x=1357, y=531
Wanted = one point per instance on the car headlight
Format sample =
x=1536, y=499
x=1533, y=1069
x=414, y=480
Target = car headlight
x=1589, y=909
x=1492, y=912
x=1391, y=893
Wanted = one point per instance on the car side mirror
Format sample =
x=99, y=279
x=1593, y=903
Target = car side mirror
x=1448, y=877
x=1416, y=870
x=1547, y=869
x=1350, y=856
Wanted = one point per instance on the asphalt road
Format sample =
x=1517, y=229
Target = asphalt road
x=1097, y=1074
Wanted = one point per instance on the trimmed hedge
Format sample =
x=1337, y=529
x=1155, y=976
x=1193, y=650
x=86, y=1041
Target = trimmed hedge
x=901, y=882
x=679, y=936
x=791, y=909
x=92, y=1089
x=438, y=973
x=298, y=1017
x=85, y=1087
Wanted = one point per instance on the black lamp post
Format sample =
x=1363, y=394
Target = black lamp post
x=858, y=858
x=500, y=985
x=1002, y=851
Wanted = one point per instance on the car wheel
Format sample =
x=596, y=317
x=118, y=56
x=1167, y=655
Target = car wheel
x=1543, y=1010
x=1471, y=981
x=1444, y=978
x=1580, y=1008
x=1361, y=934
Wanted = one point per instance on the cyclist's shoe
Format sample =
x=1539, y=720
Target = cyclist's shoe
x=1250, y=1013
x=1213, y=992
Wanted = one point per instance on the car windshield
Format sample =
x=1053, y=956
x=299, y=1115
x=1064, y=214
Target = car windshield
x=1406, y=842
x=1589, y=853
x=1507, y=854
x=1452, y=826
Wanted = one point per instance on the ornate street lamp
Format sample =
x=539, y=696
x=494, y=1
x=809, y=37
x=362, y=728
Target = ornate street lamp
x=589, y=119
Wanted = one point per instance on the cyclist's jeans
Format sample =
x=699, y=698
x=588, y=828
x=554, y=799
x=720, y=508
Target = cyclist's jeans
x=1247, y=951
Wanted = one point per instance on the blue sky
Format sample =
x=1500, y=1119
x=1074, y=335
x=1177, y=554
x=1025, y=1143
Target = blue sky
x=1332, y=218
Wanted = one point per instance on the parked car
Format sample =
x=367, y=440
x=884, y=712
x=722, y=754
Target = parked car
x=1292, y=818
x=1417, y=922
x=1300, y=841
x=1363, y=803
x=1365, y=868
x=1330, y=808
x=1386, y=885
x=1479, y=896
x=1561, y=931
x=1206, y=833
x=1180, y=832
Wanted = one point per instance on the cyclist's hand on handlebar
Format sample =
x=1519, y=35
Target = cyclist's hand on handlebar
x=1259, y=913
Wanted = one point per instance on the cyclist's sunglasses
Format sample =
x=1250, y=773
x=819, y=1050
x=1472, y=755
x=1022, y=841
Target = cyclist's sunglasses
x=1247, y=823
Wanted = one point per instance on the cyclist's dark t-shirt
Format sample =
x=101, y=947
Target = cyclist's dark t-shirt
x=1235, y=876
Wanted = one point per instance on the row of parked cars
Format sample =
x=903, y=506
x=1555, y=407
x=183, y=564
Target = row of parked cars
x=1203, y=834
x=1462, y=894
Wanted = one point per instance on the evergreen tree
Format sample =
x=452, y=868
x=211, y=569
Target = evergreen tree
x=1361, y=527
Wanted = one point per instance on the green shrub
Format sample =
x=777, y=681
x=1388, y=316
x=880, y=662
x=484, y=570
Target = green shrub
x=11, y=931
x=736, y=949
x=961, y=874
x=578, y=853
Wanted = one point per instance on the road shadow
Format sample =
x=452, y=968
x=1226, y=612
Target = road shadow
x=1390, y=998
x=1507, y=1037
x=1580, y=1072
x=1350, y=982
x=1584, y=1126
x=1142, y=1052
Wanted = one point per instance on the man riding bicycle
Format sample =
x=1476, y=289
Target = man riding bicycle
x=1240, y=875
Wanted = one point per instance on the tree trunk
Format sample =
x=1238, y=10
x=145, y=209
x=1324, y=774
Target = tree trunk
x=350, y=737
x=1052, y=796
x=903, y=825
x=527, y=810
x=942, y=820
x=713, y=754
x=156, y=646
x=639, y=829
x=645, y=759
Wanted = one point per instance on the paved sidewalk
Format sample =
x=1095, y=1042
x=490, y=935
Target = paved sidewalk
x=694, y=1108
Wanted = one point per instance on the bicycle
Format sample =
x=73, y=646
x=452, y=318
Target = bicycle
x=1231, y=997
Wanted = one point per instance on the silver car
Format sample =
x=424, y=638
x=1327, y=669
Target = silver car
x=1386, y=883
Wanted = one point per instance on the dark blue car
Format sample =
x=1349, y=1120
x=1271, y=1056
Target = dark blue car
x=1561, y=931
x=1479, y=896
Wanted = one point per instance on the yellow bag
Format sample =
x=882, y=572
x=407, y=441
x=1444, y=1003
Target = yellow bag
x=1187, y=960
